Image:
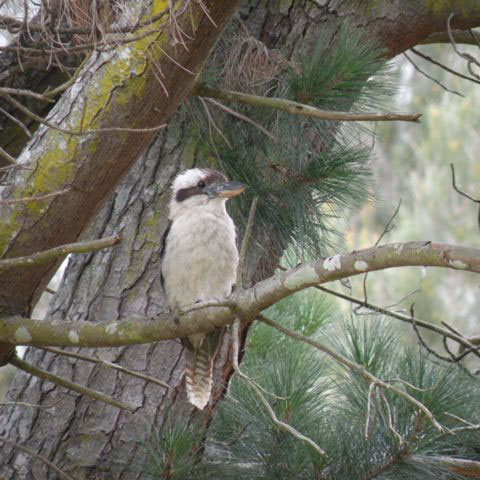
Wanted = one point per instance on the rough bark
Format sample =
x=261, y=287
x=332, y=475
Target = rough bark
x=113, y=90
x=85, y=437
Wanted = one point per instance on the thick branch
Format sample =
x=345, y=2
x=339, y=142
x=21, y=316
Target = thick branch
x=244, y=304
x=296, y=108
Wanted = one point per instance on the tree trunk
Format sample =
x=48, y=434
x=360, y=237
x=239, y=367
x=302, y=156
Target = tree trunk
x=88, y=439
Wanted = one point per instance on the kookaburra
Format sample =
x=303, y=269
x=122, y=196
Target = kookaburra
x=199, y=263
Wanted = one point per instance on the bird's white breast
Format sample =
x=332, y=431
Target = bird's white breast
x=200, y=258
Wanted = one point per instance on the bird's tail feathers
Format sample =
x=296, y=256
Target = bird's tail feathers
x=199, y=368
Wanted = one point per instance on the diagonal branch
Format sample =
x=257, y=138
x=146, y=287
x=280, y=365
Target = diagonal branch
x=61, y=473
x=257, y=389
x=107, y=364
x=63, y=382
x=355, y=367
x=464, y=342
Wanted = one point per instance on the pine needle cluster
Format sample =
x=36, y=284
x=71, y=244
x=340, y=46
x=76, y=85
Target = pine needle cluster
x=306, y=171
x=366, y=432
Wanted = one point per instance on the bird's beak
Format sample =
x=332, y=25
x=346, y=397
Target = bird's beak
x=229, y=189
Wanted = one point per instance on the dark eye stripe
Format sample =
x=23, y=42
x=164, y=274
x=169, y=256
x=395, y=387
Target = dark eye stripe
x=186, y=193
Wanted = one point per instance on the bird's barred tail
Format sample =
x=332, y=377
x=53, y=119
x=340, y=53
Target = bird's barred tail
x=201, y=350
x=198, y=376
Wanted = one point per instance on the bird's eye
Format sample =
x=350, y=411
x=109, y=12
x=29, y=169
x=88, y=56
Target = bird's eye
x=201, y=184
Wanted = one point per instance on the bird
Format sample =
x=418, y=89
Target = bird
x=199, y=258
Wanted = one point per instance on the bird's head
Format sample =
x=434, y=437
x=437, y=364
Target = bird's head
x=200, y=188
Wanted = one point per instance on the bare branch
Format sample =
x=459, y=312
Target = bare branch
x=444, y=67
x=63, y=382
x=81, y=132
x=9, y=201
x=387, y=229
x=54, y=253
x=454, y=185
x=426, y=75
x=459, y=466
x=26, y=450
x=466, y=56
x=244, y=118
x=465, y=343
x=106, y=364
x=297, y=108
x=282, y=425
x=4, y=154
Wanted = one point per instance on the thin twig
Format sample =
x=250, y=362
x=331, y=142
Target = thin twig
x=31, y=405
x=466, y=56
x=426, y=75
x=390, y=419
x=297, y=108
x=240, y=116
x=26, y=450
x=282, y=425
x=7, y=156
x=245, y=242
x=14, y=119
x=107, y=364
x=454, y=185
x=387, y=229
x=52, y=254
x=9, y=201
x=82, y=132
x=63, y=382
x=24, y=93
x=399, y=316
x=422, y=342
x=444, y=67
x=13, y=25
x=354, y=366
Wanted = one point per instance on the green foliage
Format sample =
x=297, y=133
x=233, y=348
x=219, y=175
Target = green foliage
x=367, y=432
x=305, y=312
x=413, y=162
x=314, y=171
x=330, y=406
x=170, y=451
x=352, y=72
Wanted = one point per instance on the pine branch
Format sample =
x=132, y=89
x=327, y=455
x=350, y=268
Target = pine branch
x=54, y=253
x=296, y=108
x=355, y=367
x=257, y=389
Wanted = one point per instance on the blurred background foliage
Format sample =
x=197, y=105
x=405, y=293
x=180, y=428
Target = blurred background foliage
x=412, y=163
